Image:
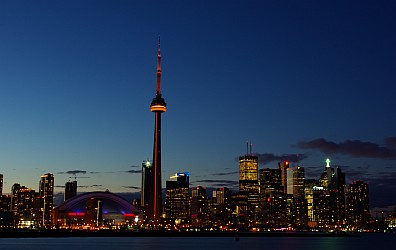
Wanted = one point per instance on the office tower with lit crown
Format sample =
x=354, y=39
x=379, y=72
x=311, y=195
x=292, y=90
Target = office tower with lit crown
x=158, y=106
x=177, y=197
x=46, y=192
x=248, y=176
x=147, y=171
x=70, y=189
x=283, y=166
x=358, y=210
x=199, y=206
x=332, y=198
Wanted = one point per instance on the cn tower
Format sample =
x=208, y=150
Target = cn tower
x=157, y=106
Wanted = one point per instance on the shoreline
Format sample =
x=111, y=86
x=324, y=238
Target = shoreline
x=108, y=233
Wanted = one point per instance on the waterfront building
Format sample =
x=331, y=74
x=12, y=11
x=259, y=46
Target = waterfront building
x=358, y=210
x=46, y=193
x=199, y=206
x=177, y=198
x=23, y=206
x=147, y=172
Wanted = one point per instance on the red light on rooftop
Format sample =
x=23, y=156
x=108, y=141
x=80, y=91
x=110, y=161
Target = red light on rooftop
x=129, y=215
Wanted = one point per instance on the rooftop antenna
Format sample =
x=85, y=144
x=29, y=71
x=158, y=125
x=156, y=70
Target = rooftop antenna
x=247, y=147
x=251, y=148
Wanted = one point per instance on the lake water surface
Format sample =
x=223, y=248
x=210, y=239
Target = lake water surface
x=365, y=241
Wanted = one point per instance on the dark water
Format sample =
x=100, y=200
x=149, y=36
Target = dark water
x=366, y=241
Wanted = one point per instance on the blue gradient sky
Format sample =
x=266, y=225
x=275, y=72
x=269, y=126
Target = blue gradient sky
x=77, y=79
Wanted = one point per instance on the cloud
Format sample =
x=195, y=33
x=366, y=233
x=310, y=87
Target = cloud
x=354, y=148
x=73, y=172
x=227, y=173
x=132, y=171
x=135, y=166
x=219, y=182
x=131, y=187
x=267, y=158
x=90, y=186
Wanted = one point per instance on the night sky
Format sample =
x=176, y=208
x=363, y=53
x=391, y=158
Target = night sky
x=301, y=80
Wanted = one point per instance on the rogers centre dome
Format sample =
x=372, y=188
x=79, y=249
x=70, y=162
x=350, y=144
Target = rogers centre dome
x=98, y=208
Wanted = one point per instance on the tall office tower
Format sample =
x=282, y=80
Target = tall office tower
x=70, y=189
x=333, y=182
x=23, y=201
x=283, y=166
x=199, y=206
x=270, y=181
x=147, y=171
x=358, y=210
x=289, y=181
x=298, y=181
x=46, y=192
x=310, y=184
x=248, y=178
x=223, y=198
x=177, y=197
x=158, y=106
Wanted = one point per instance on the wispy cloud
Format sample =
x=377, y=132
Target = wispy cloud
x=132, y=187
x=226, y=173
x=354, y=148
x=268, y=157
x=73, y=172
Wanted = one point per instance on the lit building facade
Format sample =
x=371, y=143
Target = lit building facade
x=46, y=192
x=199, y=206
x=147, y=172
x=177, y=198
x=358, y=210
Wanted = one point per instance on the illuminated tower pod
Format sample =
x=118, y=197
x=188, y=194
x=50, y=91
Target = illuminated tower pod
x=157, y=106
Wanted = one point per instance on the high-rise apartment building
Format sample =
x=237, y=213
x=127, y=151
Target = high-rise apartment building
x=358, y=210
x=199, y=206
x=23, y=206
x=46, y=192
x=70, y=189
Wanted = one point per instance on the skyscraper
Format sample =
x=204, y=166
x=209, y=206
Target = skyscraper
x=147, y=172
x=46, y=192
x=199, y=206
x=358, y=210
x=70, y=189
x=158, y=106
x=177, y=197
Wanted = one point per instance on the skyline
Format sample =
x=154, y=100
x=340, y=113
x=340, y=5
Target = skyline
x=305, y=80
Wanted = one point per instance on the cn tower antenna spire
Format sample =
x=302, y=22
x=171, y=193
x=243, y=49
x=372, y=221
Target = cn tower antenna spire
x=159, y=69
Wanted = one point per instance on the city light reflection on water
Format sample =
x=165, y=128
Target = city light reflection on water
x=365, y=241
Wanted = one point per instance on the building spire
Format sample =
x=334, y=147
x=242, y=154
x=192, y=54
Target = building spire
x=159, y=69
